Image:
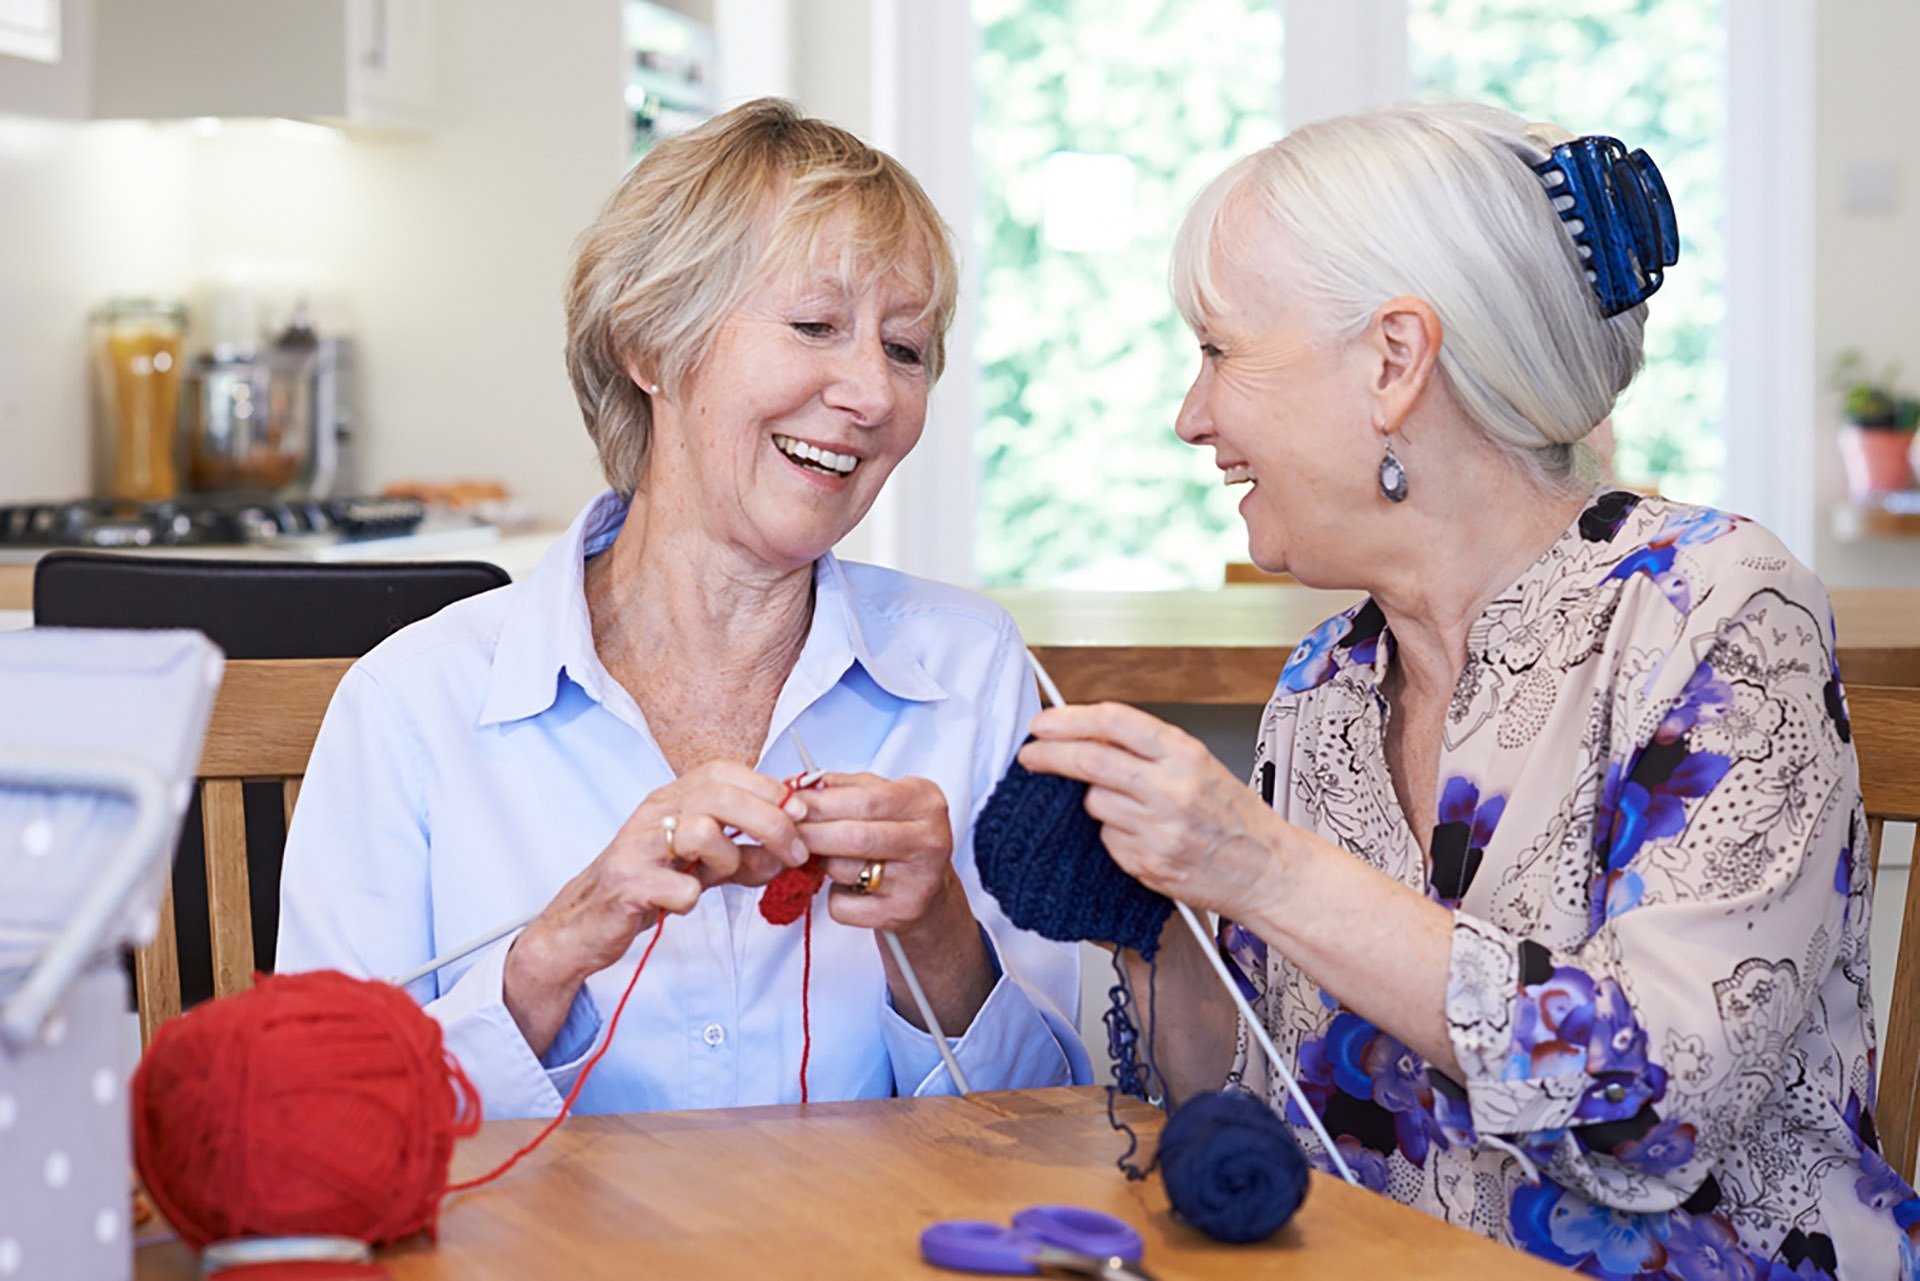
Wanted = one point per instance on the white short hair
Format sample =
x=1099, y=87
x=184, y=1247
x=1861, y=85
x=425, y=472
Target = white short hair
x=1438, y=202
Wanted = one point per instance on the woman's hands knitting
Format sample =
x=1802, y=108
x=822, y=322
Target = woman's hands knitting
x=1172, y=815
x=644, y=871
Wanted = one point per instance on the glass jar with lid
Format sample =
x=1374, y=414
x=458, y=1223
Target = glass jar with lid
x=136, y=346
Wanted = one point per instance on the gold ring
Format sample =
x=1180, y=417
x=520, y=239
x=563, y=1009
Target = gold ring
x=869, y=879
x=670, y=824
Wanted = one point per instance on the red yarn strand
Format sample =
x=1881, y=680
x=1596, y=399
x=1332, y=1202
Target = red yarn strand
x=806, y=985
x=613, y=1025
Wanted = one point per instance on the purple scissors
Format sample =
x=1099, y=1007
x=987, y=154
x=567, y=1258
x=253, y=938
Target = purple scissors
x=1064, y=1238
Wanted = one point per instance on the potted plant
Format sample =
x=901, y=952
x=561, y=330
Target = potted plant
x=1876, y=441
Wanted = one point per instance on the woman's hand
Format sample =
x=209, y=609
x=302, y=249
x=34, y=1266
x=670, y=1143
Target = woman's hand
x=1174, y=817
x=595, y=917
x=898, y=835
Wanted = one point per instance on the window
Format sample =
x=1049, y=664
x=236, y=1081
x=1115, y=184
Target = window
x=1098, y=121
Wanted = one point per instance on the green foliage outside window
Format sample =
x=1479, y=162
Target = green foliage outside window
x=1652, y=74
x=1083, y=358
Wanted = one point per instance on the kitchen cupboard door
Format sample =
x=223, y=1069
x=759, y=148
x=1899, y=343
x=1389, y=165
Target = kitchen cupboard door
x=355, y=63
x=392, y=63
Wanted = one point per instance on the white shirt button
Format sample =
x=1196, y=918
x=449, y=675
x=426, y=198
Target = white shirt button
x=713, y=1034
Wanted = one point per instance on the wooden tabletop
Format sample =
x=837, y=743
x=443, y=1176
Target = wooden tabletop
x=1227, y=645
x=842, y=1190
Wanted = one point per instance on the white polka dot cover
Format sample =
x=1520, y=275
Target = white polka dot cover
x=99, y=733
x=64, y=1149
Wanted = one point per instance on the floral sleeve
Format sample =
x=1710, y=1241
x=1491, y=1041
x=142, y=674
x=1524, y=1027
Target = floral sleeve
x=1723, y=871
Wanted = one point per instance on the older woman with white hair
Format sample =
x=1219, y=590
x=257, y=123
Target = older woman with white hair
x=754, y=325
x=1551, y=886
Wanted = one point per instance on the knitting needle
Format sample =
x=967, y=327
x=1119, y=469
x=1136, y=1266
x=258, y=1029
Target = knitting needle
x=470, y=946
x=927, y=1015
x=1212, y=953
x=475, y=944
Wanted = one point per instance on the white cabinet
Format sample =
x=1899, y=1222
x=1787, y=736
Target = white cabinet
x=345, y=62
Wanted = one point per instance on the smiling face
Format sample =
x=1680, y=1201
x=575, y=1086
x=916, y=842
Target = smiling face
x=813, y=390
x=1284, y=407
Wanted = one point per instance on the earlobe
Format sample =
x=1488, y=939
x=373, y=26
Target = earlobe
x=641, y=381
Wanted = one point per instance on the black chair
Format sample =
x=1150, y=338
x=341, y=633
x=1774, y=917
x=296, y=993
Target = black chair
x=250, y=609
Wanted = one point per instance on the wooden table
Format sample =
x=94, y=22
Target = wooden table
x=842, y=1190
x=1227, y=645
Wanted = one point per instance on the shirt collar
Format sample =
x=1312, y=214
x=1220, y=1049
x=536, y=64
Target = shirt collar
x=548, y=634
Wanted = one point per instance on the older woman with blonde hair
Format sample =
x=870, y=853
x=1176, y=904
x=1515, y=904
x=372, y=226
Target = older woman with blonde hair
x=754, y=325
x=1551, y=886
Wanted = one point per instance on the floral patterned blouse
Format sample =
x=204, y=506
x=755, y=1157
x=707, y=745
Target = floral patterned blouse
x=1651, y=835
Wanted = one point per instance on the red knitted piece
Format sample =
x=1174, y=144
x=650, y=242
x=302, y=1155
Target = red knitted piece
x=789, y=895
x=312, y=1104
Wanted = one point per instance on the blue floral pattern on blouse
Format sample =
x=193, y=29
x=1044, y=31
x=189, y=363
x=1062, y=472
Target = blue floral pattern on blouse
x=1647, y=829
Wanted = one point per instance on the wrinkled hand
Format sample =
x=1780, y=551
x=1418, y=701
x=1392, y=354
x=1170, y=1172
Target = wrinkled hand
x=595, y=917
x=901, y=823
x=1172, y=815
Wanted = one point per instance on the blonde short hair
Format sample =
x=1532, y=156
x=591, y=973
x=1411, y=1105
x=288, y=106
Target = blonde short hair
x=700, y=221
x=1440, y=202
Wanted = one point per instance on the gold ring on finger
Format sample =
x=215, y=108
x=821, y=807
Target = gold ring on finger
x=869, y=879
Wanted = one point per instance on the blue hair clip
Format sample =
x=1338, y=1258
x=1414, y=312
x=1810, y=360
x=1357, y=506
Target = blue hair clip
x=1617, y=209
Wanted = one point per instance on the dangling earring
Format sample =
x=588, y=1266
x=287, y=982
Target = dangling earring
x=1393, y=476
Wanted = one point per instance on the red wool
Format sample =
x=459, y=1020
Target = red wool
x=788, y=897
x=310, y=1104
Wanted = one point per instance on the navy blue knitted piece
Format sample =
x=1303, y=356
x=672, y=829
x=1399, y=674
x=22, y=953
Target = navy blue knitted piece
x=1039, y=853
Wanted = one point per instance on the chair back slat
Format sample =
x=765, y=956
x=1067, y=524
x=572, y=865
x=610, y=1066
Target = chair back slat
x=263, y=726
x=268, y=715
x=229, y=905
x=156, y=974
x=1886, y=737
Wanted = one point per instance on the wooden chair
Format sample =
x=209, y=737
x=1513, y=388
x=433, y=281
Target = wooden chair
x=1886, y=736
x=263, y=727
x=253, y=610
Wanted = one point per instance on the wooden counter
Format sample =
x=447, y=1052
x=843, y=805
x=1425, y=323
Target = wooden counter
x=1228, y=645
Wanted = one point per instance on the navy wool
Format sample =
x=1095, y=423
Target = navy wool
x=1232, y=1167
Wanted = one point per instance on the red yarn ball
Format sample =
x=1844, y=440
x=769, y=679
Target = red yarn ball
x=312, y=1104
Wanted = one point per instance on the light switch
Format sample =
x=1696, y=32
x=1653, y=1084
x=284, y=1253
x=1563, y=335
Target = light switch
x=1870, y=186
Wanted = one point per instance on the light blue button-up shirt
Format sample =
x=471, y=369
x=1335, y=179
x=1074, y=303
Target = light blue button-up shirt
x=473, y=763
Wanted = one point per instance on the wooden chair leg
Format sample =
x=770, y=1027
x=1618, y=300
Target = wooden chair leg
x=156, y=974
x=229, y=913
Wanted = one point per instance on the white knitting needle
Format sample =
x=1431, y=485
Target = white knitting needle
x=900, y=957
x=1208, y=950
x=475, y=944
x=470, y=946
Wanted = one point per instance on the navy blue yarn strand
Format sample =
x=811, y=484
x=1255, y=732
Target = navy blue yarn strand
x=1130, y=1074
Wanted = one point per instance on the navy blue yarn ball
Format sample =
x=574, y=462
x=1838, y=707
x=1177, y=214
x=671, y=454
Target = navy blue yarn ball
x=1039, y=854
x=1232, y=1167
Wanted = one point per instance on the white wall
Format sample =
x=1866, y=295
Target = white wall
x=1867, y=265
x=445, y=256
